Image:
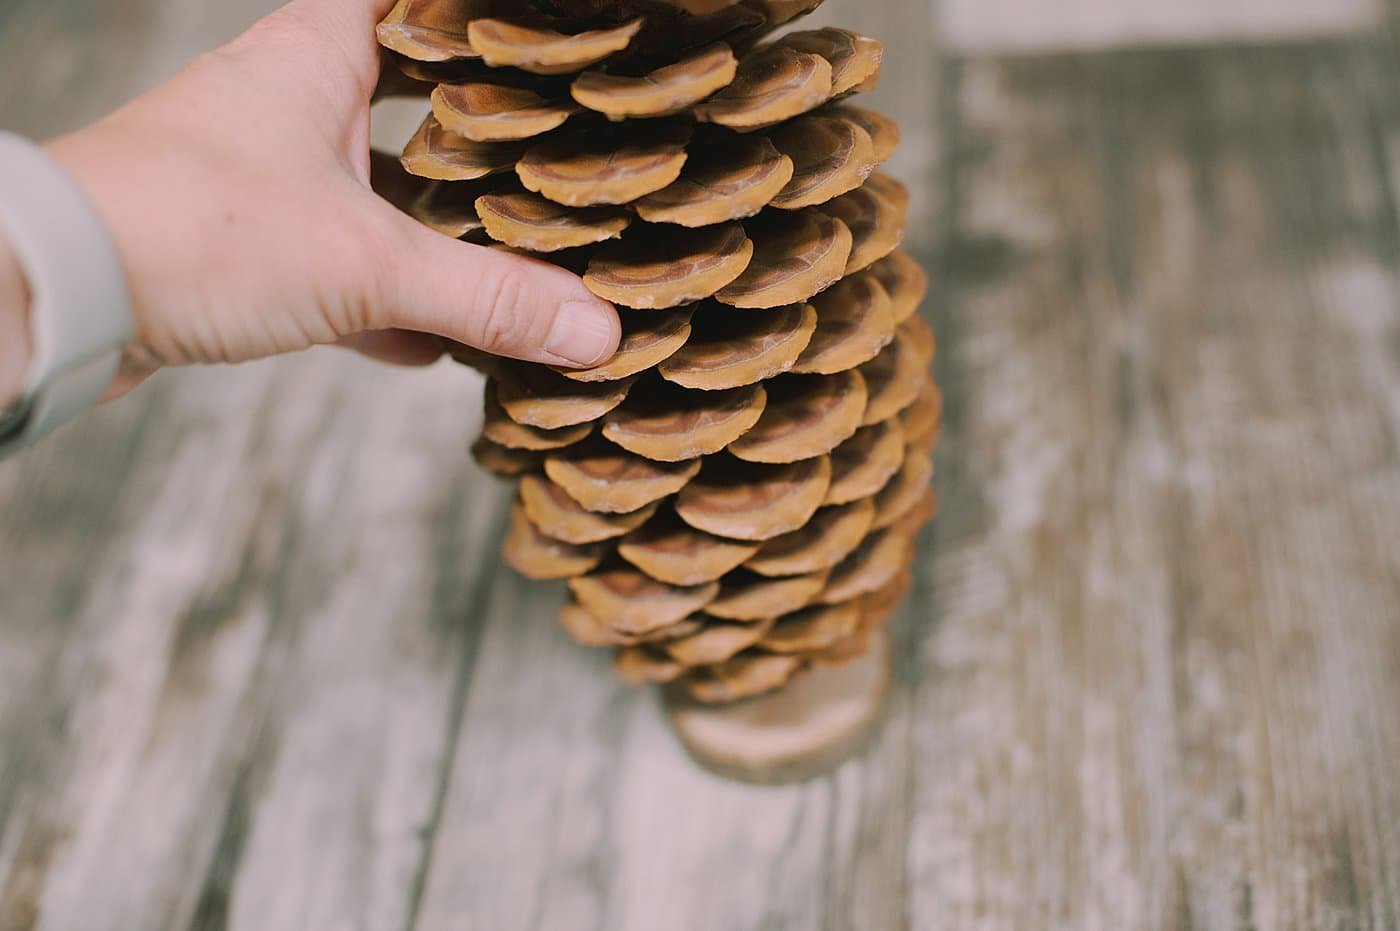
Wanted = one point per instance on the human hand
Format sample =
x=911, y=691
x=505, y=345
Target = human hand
x=239, y=198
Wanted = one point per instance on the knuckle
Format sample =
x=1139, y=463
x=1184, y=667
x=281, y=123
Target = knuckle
x=335, y=280
x=378, y=294
x=504, y=325
x=369, y=259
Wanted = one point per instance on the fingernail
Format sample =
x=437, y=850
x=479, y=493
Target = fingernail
x=582, y=334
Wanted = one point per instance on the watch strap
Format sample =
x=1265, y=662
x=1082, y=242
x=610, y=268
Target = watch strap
x=80, y=312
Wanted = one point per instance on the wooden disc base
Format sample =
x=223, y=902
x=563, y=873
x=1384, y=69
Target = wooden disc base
x=804, y=730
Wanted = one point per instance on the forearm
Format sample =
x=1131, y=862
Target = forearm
x=14, y=326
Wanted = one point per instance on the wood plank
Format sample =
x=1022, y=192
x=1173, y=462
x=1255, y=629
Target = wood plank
x=222, y=591
x=342, y=782
x=908, y=91
x=1158, y=690
x=571, y=807
x=285, y=604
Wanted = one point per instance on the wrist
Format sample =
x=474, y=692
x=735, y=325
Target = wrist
x=159, y=221
x=15, y=344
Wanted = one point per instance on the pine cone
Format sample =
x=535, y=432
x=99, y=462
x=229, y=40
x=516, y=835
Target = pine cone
x=734, y=496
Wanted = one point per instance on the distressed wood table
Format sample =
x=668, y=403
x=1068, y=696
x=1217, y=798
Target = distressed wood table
x=261, y=667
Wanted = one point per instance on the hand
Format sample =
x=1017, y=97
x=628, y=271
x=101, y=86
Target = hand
x=239, y=197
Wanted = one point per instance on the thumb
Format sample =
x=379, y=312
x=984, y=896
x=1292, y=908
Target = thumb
x=496, y=301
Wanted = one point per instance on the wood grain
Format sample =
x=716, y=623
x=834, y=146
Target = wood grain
x=1165, y=585
x=261, y=668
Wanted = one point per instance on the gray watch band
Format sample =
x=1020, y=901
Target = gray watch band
x=80, y=312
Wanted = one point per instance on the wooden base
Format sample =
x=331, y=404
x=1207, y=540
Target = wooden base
x=804, y=730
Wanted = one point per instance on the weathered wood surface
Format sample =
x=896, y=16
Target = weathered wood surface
x=260, y=667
